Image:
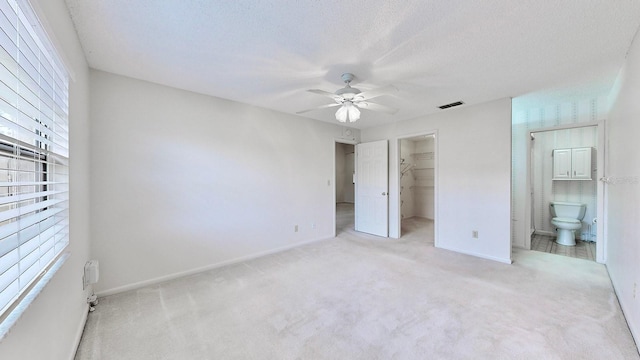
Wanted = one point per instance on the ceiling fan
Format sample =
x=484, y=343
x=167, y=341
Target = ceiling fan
x=350, y=100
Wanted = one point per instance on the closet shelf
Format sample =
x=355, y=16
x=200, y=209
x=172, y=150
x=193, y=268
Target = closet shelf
x=407, y=168
x=422, y=168
x=423, y=156
x=421, y=187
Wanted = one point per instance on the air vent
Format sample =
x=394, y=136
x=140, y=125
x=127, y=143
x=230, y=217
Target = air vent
x=457, y=103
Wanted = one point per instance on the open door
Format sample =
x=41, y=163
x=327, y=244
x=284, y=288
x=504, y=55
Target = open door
x=372, y=188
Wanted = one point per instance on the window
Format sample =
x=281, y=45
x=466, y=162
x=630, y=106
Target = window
x=34, y=133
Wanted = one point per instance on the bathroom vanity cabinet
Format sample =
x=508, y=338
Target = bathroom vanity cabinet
x=572, y=164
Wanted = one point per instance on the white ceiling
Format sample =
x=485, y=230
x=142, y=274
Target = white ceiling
x=267, y=53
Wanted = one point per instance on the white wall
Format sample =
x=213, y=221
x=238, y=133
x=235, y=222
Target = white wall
x=623, y=194
x=51, y=326
x=589, y=107
x=181, y=181
x=473, y=178
x=546, y=190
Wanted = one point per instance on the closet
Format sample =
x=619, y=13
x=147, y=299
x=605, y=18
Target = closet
x=417, y=175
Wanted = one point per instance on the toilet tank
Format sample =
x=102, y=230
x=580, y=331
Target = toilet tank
x=567, y=210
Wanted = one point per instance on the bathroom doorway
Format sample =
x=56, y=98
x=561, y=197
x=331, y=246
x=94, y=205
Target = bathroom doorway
x=417, y=187
x=549, y=151
x=344, y=187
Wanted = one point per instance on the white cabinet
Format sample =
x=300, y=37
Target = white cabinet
x=562, y=164
x=581, y=163
x=572, y=164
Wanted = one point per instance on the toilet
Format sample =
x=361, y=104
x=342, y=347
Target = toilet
x=567, y=218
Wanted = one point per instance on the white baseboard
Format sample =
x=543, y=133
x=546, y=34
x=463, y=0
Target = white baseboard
x=79, y=332
x=488, y=257
x=141, y=284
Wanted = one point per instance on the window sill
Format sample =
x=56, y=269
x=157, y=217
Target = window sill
x=15, y=314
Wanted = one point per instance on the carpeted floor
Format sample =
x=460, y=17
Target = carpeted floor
x=363, y=297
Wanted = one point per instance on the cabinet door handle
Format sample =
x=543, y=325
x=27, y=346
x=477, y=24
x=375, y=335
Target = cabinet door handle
x=567, y=173
x=574, y=173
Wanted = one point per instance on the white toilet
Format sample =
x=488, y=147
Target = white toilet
x=567, y=218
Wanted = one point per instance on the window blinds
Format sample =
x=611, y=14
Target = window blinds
x=34, y=138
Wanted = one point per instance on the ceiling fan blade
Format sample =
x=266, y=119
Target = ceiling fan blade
x=375, y=107
x=370, y=94
x=335, y=97
x=319, y=107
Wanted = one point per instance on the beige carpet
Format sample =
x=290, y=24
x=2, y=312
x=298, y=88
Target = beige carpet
x=363, y=297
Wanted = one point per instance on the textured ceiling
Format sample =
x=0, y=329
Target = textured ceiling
x=267, y=53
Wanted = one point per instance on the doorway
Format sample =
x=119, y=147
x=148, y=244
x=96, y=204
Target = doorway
x=344, y=187
x=550, y=149
x=417, y=187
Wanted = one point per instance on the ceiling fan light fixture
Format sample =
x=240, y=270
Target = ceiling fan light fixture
x=348, y=112
x=341, y=114
x=354, y=113
x=350, y=100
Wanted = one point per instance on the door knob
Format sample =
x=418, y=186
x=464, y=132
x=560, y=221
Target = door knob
x=384, y=193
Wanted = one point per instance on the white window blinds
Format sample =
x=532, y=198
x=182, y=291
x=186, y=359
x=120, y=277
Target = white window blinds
x=34, y=138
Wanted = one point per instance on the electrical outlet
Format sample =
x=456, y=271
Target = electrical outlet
x=313, y=225
x=295, y=228
x=474, y=234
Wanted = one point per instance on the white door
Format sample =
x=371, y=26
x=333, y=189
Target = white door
x=372, y=187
